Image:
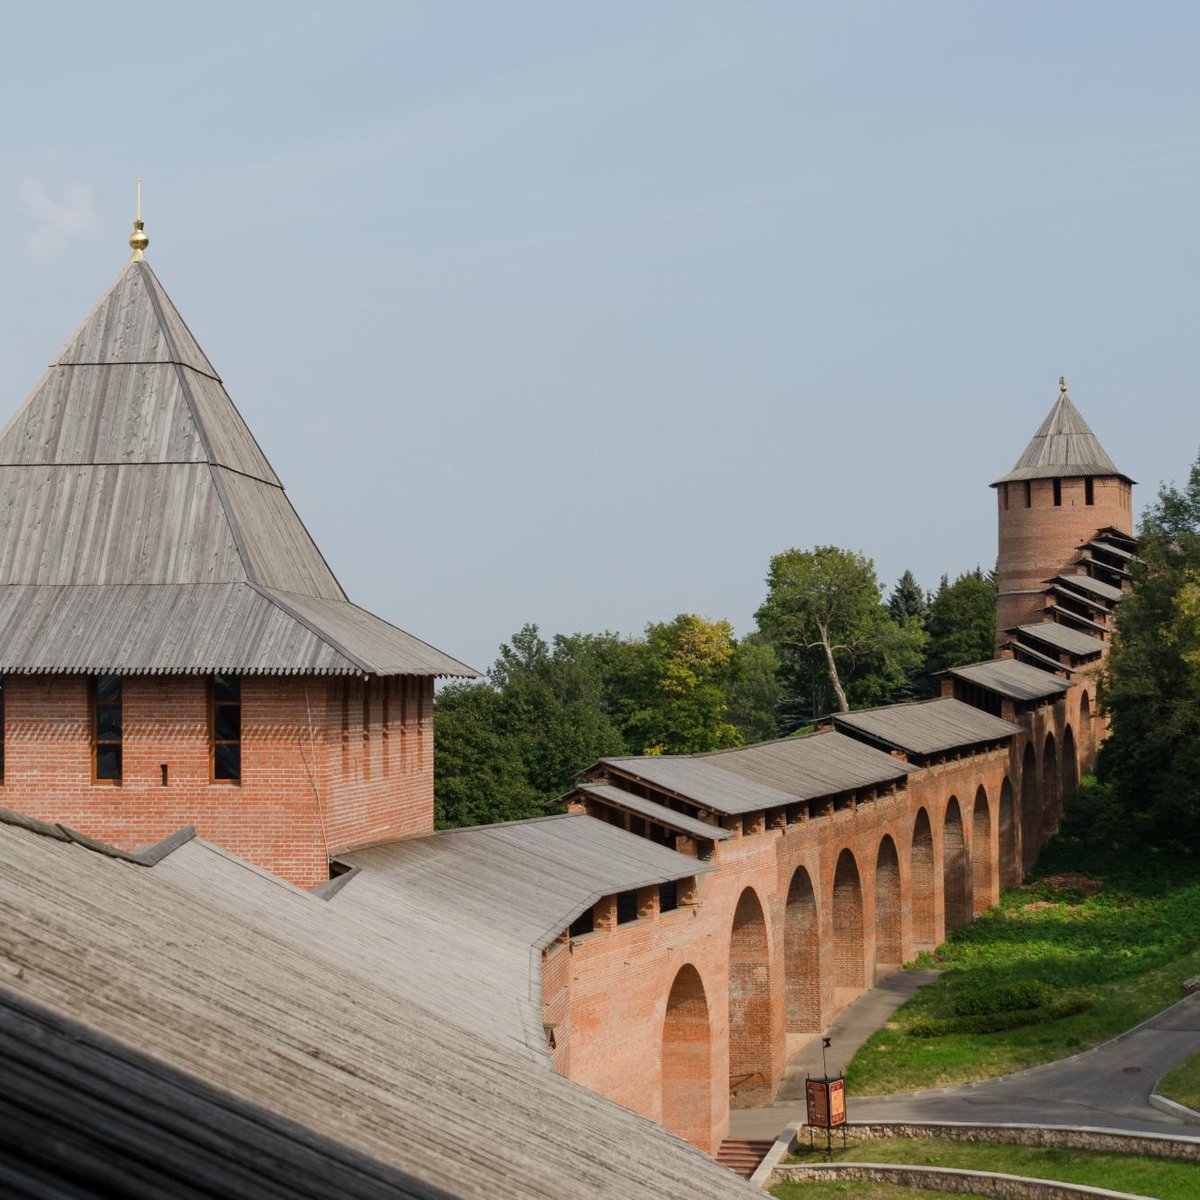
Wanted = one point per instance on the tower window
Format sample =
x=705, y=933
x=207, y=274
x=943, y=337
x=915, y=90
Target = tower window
x=1004, y=496
x=1058, y=493
x=106, y=728
x=1089, y=491
x=226, y=693
x=1028, y=494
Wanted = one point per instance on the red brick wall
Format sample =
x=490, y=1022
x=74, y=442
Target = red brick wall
x=300, y=788
x=618, y=980
x=1039, y=542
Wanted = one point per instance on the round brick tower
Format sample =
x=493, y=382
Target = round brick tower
x=1063, y=489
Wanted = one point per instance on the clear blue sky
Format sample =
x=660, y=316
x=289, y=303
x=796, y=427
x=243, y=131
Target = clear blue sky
x=575, y=314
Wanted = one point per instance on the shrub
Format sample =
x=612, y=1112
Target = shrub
x=1003, y=997
x=996, y=1022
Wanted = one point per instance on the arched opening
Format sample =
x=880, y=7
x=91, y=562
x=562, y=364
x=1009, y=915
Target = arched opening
x=1087, y=742
x=849, y=973
x=889, y=953
x=1031, y=810
x=924, y=919
x=749, y=1003
x=802, y=956
x=982, y=872
x=1051, y=798
x=1010, y=864
x=956, y=887
x=687, y=1061
x=1070, y=767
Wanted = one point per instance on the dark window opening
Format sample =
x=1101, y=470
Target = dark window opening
x=627, y=907
x=1004, y=496
x=1058, y=493
x=661, y=835
x=1089, y=491
x=668, y=896
x=1028, y=494
x=638, y=826
x=163, y=768
x=106, y=708
x=615, y=817
x=584, y=923
x=226, y=693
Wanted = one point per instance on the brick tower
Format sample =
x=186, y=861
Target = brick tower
x=1062, y=491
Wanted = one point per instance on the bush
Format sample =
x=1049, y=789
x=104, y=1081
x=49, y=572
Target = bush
x=1004, y=998
x=997, y=1022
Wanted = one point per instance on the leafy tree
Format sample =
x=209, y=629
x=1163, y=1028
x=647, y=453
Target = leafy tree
x=754, y=689
x=684, y=706
x=1151, y=687
x=962, y=622
x=825, y=615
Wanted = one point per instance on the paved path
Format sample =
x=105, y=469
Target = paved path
x=1107, y=1087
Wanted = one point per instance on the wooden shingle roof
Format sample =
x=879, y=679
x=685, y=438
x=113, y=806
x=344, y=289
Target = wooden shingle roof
x=926, y=726
x=1063, y=447
x=142, y=521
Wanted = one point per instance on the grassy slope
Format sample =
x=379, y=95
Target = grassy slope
x=1127, y=949
x=1183, y=1084
x=1163, y=1178
x=855, y=1191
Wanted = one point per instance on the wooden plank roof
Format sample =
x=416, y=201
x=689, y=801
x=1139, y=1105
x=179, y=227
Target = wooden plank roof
x=702, y=782
x=1097, y=587
x=927, y=726
x=668, y=817
x=129, y=468
x=1064, y=446
x=1007, y=677
x=185, y=1037
x=1073, y=641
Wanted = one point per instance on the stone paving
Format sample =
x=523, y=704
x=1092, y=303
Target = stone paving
x=1106, y=1087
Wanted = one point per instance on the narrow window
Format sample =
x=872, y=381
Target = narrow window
x=106, y=707
x=366, y=705
x=1089, y=491
x=1028, y=494
x=668, y=896
x=638, y=826
x=1004, y=496
x=627, y=907
x=226, y=691
x=1058, y=493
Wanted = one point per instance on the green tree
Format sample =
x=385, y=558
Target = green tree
x=1151, y=686
x=685, y=688
x=825, y=615
x=908, y=600
x=754, y=689
x=962, y=622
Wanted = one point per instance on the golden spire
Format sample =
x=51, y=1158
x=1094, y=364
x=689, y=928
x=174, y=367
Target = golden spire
x=1062, y=385
x=138, y=238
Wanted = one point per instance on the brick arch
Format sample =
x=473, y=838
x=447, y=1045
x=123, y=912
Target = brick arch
x=749, y=1000
x=1010, y=862
x=1031, y=810
x=687, y=1060
x=848, y=947
x=889, y=940
x=1051, y=799
x=802, y=956
x=1087, y=737
x=956, y=882
x=924, y=888
x=1070, y=765
x=982, y=865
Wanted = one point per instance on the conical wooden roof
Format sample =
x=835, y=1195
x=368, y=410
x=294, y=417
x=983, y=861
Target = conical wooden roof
x=142, y=528
x=1064, y=447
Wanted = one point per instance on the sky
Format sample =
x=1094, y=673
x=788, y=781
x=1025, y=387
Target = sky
x=576, y=314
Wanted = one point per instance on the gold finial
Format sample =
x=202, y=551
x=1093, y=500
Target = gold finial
x=138, y=239
x=1062, y=384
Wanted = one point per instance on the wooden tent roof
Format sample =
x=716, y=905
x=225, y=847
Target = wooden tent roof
x=135, y=504
x=1063, y=447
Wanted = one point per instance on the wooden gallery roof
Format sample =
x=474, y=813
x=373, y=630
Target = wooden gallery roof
x=142, y=529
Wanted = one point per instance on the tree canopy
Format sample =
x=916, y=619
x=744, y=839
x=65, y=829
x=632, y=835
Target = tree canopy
x=961, y=622
x=1151, y=686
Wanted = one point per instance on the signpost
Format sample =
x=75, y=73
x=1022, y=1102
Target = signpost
x=826, y=1100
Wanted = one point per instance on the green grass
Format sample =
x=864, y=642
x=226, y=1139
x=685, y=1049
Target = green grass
x=1183, y=1084
x=1124, y=950
x=855, y=1191
x=1166, y=1179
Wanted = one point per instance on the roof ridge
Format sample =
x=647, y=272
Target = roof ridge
x=146, y=856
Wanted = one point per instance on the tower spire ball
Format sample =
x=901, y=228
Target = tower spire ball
x=138, y=239
x=1062, y=379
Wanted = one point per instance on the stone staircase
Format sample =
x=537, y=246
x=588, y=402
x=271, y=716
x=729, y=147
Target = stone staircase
x=741, y=1156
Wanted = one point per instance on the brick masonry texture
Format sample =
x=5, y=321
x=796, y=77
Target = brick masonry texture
x=326, y=765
